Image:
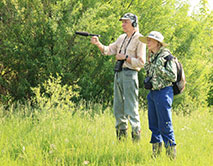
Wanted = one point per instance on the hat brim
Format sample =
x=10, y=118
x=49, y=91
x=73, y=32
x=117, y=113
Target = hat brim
x=144, y=40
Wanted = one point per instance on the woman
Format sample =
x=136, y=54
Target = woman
x=160, y=97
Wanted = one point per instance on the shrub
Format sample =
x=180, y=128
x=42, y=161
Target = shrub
x=52, y=94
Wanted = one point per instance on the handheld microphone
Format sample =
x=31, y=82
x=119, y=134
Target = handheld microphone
x=86, y=34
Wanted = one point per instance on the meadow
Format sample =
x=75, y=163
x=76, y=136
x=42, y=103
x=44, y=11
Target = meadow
x=82, y=137
x=43, y=61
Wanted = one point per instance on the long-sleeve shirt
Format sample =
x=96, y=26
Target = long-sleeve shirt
x=135, y=49
x=161, y=76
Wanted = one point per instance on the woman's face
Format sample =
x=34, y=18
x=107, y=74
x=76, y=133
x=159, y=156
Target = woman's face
x=152, y=44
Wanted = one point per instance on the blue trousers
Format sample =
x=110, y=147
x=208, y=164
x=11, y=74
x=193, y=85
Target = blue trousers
x=160, y=116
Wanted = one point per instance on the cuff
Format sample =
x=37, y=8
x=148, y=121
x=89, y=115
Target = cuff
x=106, y=50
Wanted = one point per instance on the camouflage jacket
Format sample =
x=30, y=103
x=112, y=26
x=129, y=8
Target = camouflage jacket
x=161, y=76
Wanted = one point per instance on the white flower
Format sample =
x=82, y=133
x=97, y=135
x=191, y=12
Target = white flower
x=86, y=162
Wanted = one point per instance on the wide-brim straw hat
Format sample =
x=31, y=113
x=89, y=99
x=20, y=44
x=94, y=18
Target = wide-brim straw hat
x=153, y=35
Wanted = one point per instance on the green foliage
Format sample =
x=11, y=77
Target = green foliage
x=51, y=94
x=37, y=39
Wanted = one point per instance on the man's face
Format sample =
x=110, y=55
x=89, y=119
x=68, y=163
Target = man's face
x=127, y=25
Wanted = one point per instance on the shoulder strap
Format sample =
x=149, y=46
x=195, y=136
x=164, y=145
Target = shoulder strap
x=178, y=65
x=154, y=61
x=168, y=58
x=155, y=58
x=179, y=71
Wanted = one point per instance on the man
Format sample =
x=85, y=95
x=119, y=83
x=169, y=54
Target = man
x=130, y=55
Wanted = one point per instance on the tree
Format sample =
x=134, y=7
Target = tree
x=37, y=39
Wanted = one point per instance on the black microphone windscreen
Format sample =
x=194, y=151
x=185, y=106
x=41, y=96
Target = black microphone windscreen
x=82, y=33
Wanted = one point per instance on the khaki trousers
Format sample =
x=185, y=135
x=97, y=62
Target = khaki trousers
x=126, y=89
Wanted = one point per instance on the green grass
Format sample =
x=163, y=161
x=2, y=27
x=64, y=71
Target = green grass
x=58, y=137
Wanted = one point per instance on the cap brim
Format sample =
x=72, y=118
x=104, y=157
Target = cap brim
x=124, y=18
x=144, y=40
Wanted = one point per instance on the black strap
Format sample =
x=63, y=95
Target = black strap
x=127, y=43
x=168, y=58
x=155, y=58
x=178, y=65
x=154, y=61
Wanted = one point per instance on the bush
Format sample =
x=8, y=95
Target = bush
x=51, y=94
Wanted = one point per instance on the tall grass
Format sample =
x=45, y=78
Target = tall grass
x=57, y=132
x=58, y=137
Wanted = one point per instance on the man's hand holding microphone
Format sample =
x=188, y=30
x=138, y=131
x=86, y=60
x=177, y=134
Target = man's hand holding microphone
x=95, y=41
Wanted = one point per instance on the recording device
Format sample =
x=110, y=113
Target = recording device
x=147, y=83
x=86, y=34
x=118, y=65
